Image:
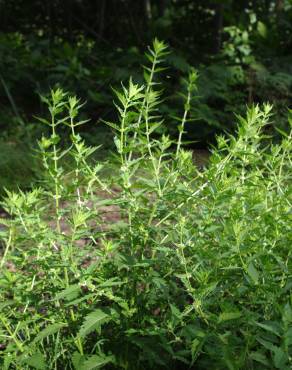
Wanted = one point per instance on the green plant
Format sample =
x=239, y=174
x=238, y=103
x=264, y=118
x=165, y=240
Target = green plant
x=159, y=264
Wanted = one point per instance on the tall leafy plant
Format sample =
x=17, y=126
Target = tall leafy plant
x=193, y=269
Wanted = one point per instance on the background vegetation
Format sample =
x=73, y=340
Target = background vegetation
x=242, y=50
x=119, y=249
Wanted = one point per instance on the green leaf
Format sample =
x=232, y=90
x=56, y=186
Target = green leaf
x=9, y=302
x=110, y=283
x=270, y=328
x=268, y=345
x=175, y=311
x=77, y=360
x=42, y=120
x=262, y=29
x=154, y=127
x=37, y=361
x=196, y=349
x=96, y=362
x=7, y=362
x=55, y=139
x=288, y=337
x=253, y=18
x=79, y=300
x=79, y=217
x=253, y=273
x=158, y=46
x=94, y=321
x=213, y=228
x=49, y=330
x=112, y=125
x=287, y=315
x=117, y=142
x=260, y=357
x=280, y=358
x=69, y=293
x=226, y=316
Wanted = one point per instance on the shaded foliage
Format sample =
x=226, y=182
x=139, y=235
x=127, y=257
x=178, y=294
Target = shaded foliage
x=194, y=272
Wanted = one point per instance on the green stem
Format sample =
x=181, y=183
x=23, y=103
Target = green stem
x=187, y=109
x=122, y=131
x=77, y=170
x=149, y=84
x=16, y=341
x=56, y=176
x=8, y=244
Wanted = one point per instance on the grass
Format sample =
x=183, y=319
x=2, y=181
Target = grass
x=195, y=272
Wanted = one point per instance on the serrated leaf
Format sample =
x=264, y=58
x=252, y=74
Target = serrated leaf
x=154, y=127
x=7, y=303
x=49, y=330
x=149, y=57
x=110, y=283
x=270, y=328
x=96, y=362
x=77, y=360
x=195, y=349
x=69, y=293
x=117, y=142
x=37, y=361
x=4, y=221
x=266, y=344
x=112, y=125
x=7, y=362
x=175, y=311
x=42, y=120
x=260, y=357
x=94, y=321
x=79, y=300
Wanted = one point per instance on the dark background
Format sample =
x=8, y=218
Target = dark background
x=242, y=50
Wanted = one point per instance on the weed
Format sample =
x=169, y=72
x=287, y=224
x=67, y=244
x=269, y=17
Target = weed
x=194, y=273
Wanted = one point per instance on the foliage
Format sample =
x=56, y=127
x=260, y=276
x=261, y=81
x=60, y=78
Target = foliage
x=18, y=163
x=194, y=271
x=241, y=50
x=18, y=166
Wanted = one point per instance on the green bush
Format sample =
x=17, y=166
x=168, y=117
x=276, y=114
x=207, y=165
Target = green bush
x=158, y=265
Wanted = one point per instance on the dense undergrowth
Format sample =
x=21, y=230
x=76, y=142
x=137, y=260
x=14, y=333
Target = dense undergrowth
x=195, y=272
x=251, y=63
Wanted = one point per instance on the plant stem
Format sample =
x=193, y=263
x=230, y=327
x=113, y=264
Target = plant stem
x=182, y=126
x=149, y=84
x=16, y=341
x=8, y=244
x=77, y=163
x=56, y=175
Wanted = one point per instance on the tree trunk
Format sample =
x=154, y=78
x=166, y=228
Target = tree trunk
x=68, y=10
x=218, y=27
x=161, y=7
x=148, y=10
x=279, y=6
